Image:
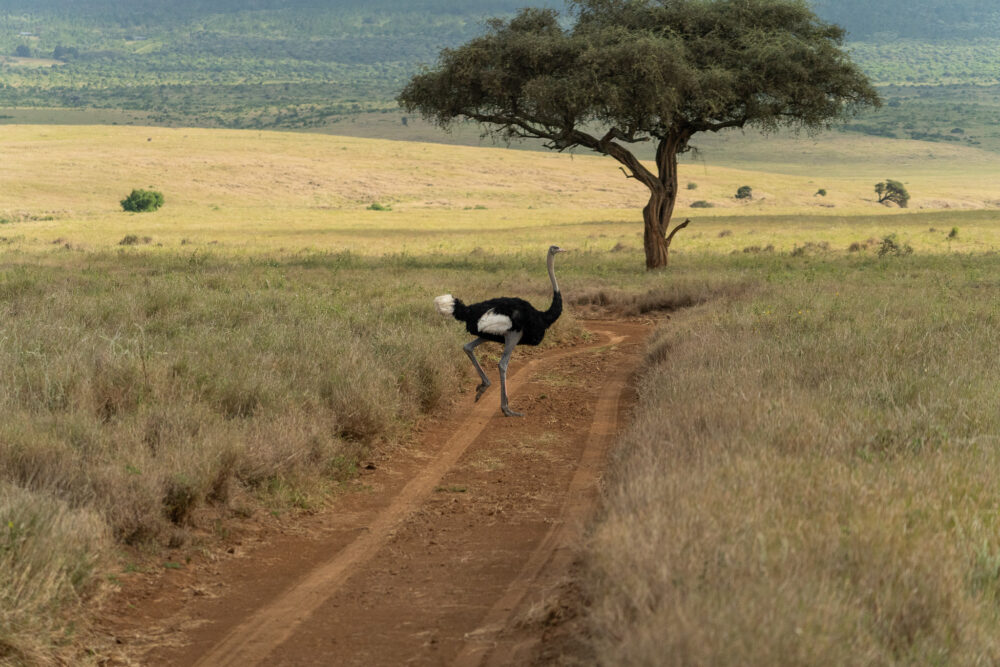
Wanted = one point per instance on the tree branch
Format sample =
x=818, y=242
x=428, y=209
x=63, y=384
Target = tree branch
x=676, y=229
x=562, y=138
x=615, y=133
x=627, y=175
x=715, y=127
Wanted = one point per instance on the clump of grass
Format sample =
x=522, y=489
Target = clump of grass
x=725, y=232
x=756, y=249
x=859, y=246
x=891, y=246
x=692, y=185
x=49, y=555
x=679, y=294
x=953, y=234
x=810, y=247
x=701, y=203
x=375, y=206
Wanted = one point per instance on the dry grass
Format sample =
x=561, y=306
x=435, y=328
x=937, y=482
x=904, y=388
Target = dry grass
x=48, y=556
x=811, y=475
x=150, y=396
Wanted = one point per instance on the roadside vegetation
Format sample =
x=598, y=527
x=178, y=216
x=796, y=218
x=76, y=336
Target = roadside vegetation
x=810, y=475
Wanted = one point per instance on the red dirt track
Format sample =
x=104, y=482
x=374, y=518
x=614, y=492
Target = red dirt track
x=453, y=551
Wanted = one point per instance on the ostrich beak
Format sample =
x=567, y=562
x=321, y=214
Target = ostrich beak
x=562, y=250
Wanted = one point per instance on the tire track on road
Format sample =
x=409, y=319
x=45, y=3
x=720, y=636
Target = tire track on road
x=487, y=645
x=252, y=640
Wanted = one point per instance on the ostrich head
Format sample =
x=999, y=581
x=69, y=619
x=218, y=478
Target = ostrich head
x=553, y=249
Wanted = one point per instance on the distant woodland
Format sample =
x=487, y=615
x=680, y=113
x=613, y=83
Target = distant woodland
x=305, y=63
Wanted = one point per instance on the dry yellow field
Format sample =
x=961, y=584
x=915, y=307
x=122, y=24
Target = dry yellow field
x=247, y=191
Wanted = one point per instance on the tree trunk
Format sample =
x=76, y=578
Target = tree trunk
x=663, y=194
x=653, y=239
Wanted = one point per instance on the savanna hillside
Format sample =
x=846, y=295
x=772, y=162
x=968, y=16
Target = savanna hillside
x=337, y=68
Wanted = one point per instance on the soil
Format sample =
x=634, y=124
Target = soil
x=458, y=548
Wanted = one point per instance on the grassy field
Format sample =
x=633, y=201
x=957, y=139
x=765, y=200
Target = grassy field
x=266, y=328
x=810, y=475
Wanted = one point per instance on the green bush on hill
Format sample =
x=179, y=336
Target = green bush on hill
x=142, y=201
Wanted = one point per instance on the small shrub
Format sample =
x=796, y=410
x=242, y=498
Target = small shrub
x=744, y=192
x=701, y=203
x=820, y=193
x=142, y=201
x=756, y=249
x=724, y=233
x=953, y=234
x=891, y=246
x=375, y=206
x=810, y=247
x=692, y=186
x=129, y=239
x=179, y=499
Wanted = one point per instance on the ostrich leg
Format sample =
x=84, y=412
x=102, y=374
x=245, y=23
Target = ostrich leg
x=511, y=339
x=469, y=347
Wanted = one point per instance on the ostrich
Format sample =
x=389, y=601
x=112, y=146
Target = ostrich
x=506, y=320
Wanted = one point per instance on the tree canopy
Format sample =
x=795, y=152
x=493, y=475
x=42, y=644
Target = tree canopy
x=628, y=71
x=894, y=191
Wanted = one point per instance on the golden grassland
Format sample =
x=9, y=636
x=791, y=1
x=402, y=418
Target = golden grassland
x=266, y=329
x=266, y=191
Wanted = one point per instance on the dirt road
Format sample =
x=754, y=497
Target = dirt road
x=450, y=552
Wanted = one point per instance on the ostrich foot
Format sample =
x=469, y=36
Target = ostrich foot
x=511, y=413
x=480, y=390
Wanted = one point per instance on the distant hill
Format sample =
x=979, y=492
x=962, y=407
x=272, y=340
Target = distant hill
x=885, y=20
x=864, y=19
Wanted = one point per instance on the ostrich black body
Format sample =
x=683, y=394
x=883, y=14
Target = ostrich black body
x=523, y=316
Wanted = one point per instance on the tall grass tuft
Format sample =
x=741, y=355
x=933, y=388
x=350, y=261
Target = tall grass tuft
x=48, y=557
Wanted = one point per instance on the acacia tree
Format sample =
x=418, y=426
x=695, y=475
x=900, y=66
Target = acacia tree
x=621, y=72
x=894, y=191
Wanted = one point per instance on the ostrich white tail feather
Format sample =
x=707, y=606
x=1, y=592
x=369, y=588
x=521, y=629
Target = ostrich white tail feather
x=445, y=304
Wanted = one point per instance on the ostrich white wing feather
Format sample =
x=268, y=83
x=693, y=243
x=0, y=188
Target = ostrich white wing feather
x=445, y=304
x=494, y=323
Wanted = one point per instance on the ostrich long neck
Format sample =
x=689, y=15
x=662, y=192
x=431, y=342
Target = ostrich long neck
x=552, y=273
x=555, y=310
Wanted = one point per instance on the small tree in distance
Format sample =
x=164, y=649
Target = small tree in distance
x=744, y=192
x=141, y=201
x=894, y=191
x=624, y=72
